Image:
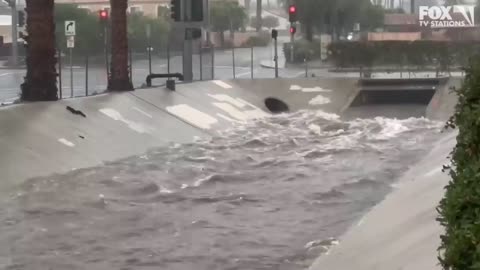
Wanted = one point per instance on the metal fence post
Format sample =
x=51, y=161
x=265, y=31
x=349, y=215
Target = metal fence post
x=86, y=75
x=130, y=59
x=149, y=60
x=233, y=60
x=212, y=49
x=168, y=57
x=251, y=61
x=201, y=62
x=60, y=73
x=71, y=73
x=306, y=67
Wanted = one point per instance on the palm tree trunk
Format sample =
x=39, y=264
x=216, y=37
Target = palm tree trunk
x=41, y=80
x=119, y=79
x=259, y=16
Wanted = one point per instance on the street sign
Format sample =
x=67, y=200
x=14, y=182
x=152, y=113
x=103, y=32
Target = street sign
x=70, y=28
x=71, y=42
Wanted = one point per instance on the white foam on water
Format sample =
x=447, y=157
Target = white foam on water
x=315, y=128
x=165, y=190
x=327, y=116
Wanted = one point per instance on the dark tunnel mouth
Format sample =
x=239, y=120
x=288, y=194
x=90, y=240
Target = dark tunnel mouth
x=275, y=105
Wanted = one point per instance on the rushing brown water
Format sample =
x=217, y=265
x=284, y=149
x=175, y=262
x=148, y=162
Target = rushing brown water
x=273, y=194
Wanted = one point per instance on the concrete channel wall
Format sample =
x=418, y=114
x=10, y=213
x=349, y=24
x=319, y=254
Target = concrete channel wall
x=41, y=139
x=402, y=233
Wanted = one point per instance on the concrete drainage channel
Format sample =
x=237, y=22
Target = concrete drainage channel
x=110, y=127
x=395, y=98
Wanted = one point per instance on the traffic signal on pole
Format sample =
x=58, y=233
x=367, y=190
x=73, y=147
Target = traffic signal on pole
x=21, y=18
x=103, y=15
x=176, y=10
x=274, y=34
x=197, y=10
x=292, y=13
x=293, y=30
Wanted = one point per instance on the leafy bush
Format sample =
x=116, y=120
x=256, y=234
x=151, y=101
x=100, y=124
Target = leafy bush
x=460, y=208
x=262, y=39
x=267, y=22
x=302, y=50
x=417, y=53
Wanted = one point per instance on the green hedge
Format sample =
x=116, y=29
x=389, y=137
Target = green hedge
x=460, y=208
x=262, y=39
x=404, y=53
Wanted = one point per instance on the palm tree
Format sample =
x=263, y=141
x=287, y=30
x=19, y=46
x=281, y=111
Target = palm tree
x=41, y=80
x=259, y=15
x=119, y=79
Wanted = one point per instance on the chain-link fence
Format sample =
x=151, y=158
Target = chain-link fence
x=84, y=75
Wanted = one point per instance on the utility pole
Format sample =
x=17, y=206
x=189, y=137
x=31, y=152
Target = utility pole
x=13, y=6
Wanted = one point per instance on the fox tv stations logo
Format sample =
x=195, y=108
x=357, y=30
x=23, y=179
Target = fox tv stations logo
x=447, y=16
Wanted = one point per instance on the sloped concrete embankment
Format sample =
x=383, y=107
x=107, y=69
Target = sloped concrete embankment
x=41, y=139
x=402, y=231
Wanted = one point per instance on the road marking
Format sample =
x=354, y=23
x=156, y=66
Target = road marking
x=229, y=99
x=66, y=142
x=228, y=118
x=244, y=74
x=319, y=100
x=232, y=111
x=192, y=116
x=142, y=112
x=115, y=115
x=222, y=84
x=10, y=73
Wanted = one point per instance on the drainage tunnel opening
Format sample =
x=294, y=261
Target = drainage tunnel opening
x=275, y=105
x=394, y=97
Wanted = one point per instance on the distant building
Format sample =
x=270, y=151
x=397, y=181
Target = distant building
x=401, y=23
x=146, y=7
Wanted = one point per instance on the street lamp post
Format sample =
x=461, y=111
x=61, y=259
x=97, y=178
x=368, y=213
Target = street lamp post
x=13, y=5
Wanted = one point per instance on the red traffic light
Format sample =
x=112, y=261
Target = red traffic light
x=292, y=9
x=292, y=13
x=293, y=30
x=103, y=14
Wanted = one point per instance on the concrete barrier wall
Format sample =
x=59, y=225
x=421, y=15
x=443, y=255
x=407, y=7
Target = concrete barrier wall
x=41, y=139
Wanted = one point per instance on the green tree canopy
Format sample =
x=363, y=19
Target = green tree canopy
x=227, y=16
x=137, y=32
x=268, y=22
x=90, y=33
x=337, y=16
